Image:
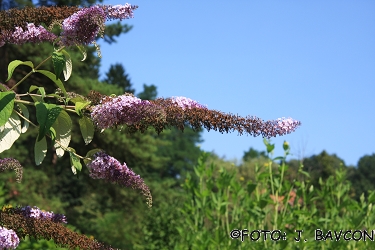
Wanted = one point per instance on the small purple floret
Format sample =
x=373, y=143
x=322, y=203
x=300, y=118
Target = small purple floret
x=35, y=212
x=33, y=34
x=119, y=11
x=184, y=102
x=119, y=110
x=8, y=239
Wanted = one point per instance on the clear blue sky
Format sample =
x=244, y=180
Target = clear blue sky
x=313, y=61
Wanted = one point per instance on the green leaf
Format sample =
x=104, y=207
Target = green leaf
x=53, y=77
x=77, y=99
x=10, y=132
x=46, y=115
x=79, y=106
x=68, y=65
x=83, y=51
x=40, y=150
x=63, y=128
x=75, y=161
x=14, y=64
x=90, y=154
x=87, y=129
x=32, y=88
x=6, y=106
x=58, y=61
x=25, y=113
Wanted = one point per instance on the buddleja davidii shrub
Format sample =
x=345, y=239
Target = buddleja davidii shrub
x=80, y=26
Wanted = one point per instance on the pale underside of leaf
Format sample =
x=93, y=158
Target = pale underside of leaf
x=68, y=66
x=40, y=150
x=10, y=132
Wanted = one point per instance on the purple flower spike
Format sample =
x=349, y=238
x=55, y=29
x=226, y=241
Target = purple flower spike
x=119, y=11
x=8, y=239
x=106, y=167
x=124, y=109
x=35, y=212
x=82, y=27
x=184, y=102
x=33, y=34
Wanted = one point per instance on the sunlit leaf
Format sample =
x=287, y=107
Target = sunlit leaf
x=40, y=150
x=87, y=129
x=14, y=64
x=10, y=132
x=6, y=106
x=46, y=115
x=63, y=128
x=75, y=161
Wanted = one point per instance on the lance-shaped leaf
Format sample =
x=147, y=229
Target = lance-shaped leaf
x=6, y=106
x=75, y=161
x=46, y=115
x=63, y=128
x=79, y=106
x=10, y=132
x=40, y=150
x=87, y=129
x=58, y=61
x=25, y=113
x=68, y=65
x=14, y=64
x=52, y=76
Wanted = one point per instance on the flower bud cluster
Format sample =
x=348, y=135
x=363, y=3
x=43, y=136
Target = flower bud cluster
x=10, y=163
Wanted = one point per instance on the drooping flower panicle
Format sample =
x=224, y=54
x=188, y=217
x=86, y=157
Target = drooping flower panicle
x=79, y=26
x=108, y=168
x=8, y=239
x=178, y=111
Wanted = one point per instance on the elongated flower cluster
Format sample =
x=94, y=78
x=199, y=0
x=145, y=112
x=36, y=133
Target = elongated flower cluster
x=83, y=27
x=108, y=168
x=124, y=109
x=10, y=163
x=179, y=111
x=15, y=219
x=32, y=34
x=8, y=239
x=35, y=212
x=79, y=26
x=119, y=11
